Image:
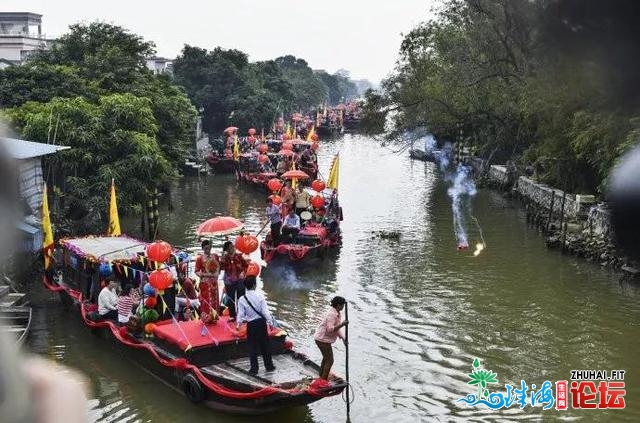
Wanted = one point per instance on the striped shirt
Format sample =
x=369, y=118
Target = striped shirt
x=125, y=305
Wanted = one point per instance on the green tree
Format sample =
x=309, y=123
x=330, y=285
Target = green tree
x=114, y=139
x=42, y=82
x=308, y=89
x=522, y=80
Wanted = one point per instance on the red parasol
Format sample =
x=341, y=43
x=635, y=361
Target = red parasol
x=230, y=129
x=221, y=225
x=298, y=174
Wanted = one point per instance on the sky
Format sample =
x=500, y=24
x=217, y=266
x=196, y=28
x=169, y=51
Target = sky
x=362, y=36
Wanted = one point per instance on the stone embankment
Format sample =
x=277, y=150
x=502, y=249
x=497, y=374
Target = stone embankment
x=574, y=223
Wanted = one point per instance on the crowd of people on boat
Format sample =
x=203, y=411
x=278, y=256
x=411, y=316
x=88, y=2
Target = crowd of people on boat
x=246, y=305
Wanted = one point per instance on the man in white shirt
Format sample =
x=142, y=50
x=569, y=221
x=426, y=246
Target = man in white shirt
x=273, y=214
x=252, y=308
x=108, y=301
x=291, y=226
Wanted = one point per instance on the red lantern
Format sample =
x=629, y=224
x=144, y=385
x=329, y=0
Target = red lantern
x=318, y=185
x=286, y=137
x=274, y=185
x=263, y=148
x=150, y=302
x=276, y=199
x=314, y=137
x=262, y=158
x=317, y=201
x=253, y=269
x=161, y=279
x=252, y=131
x=159, y=251
x=246, y=244
x=315, y=146
x=286, y=146
x=149, y=328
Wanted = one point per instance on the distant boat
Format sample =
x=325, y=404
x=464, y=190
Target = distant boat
x=423, y=155
x=15, y=315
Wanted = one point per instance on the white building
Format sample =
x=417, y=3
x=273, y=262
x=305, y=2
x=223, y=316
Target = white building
x=160, y=65
x=20, y=35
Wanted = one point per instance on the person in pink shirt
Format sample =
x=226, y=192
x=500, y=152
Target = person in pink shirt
x=327, y=333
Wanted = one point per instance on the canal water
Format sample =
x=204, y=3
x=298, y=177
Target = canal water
x=420, y=311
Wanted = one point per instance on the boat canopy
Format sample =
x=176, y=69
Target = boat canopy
x=105, y=248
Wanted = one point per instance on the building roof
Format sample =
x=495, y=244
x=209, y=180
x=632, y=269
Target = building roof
x=21, y=16
x=21, y=149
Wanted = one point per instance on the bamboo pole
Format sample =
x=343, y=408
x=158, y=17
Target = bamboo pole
x=346, y=337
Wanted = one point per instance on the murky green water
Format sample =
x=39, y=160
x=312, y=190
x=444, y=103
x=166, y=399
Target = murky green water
x=420, y=310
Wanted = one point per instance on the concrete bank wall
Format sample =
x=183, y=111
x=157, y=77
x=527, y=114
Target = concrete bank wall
x=581, y=227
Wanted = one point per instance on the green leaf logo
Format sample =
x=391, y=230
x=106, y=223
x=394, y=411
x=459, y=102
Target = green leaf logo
x=481, y=378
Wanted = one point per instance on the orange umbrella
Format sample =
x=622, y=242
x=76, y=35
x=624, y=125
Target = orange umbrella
x=221, y=225
x=298, y=174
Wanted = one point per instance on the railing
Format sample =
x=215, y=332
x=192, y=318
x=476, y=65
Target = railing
x=26, y=35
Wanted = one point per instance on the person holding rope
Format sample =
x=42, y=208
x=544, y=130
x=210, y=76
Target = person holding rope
x=327, y=332
x=208, y=269
x=252, y=308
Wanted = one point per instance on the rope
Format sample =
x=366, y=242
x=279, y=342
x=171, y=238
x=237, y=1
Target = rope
x=351, y=394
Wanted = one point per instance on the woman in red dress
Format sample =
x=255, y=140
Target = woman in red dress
x=208, y=269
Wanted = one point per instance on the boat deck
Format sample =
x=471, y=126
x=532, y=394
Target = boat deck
x=289, y=371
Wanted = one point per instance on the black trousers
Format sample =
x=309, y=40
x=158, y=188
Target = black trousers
x=258, y=339
x=110, y=315
x=275, y=232
x=289, y=234
x=234, y=289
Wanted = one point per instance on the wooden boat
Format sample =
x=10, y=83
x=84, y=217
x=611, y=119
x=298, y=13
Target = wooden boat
x=15, y=316
x=351, y=124
x=422, y=155
x=221, y=163
x=206, y=363
x=313, y=241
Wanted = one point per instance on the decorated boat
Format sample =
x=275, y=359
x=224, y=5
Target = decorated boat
x=208, y=363
x=321, y=230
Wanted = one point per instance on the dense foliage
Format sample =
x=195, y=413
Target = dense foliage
x=93, y=92
x=548, y=82
x=230, y=90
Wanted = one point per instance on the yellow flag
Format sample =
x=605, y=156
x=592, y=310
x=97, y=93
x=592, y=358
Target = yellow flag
x=236, y=149
x=114, y=220
x=47, y=242
x=289, y=131
x=311, y=133
x=334, y=173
